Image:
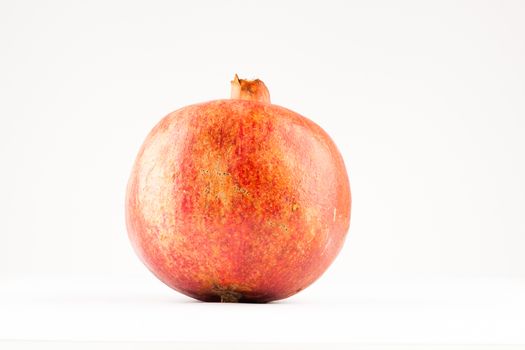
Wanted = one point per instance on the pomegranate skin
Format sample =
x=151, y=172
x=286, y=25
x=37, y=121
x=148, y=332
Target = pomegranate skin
x=237, y=201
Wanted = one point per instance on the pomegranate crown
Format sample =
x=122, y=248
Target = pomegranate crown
x=251, y=90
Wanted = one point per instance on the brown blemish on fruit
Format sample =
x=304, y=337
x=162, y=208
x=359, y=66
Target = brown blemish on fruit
x=163, y=237
x=241, y=190
x=227, y=294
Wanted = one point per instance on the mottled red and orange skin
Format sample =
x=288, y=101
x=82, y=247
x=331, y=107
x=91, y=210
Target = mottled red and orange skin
x=237, y=200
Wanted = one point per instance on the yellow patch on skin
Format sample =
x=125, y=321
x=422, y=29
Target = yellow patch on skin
x=163, y=237
x=295, y=207
x=218, y=185
x=215, y=251
x=311, y=234
x=164, y=246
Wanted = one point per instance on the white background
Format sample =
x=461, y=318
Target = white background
x=425, y=100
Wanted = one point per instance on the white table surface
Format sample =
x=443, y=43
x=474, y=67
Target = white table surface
x=371, y=315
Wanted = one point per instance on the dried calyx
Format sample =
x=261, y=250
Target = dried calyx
x=251, y=90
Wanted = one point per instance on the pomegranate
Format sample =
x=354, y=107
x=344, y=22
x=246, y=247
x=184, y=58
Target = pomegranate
x=238, y=200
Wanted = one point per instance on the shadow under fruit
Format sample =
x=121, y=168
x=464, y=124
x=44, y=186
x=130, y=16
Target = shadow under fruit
x=238, y=200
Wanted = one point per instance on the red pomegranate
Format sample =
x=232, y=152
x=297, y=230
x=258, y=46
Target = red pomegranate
x=238, y=200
